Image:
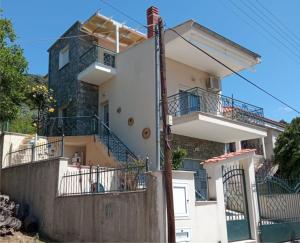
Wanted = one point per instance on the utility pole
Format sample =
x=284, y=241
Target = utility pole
x=166, y=136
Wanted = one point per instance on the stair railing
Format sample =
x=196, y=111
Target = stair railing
x=113, y=143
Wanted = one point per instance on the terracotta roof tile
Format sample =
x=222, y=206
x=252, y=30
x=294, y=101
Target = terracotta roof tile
x=228, y=156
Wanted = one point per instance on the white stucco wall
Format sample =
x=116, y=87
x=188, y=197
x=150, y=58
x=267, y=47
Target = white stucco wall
x=182, y=77
x=9, y=142
x=205, y=219
x=133, y=90
x=270, y=140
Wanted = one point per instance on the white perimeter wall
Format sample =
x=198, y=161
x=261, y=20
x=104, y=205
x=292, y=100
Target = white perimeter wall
x=9, y=142
x=206, y=219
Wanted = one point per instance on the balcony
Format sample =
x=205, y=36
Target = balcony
x=207, y=115
x=97, y=65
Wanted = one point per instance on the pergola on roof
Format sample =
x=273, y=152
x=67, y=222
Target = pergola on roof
x=106, y=27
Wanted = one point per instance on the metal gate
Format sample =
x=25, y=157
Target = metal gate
x=279, y=208
x=237, y=217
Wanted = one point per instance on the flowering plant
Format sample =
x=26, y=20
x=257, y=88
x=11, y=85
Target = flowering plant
x=41, y=98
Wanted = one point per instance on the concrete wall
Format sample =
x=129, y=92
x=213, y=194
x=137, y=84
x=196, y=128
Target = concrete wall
x=35, y=184
x=205, y=219
x=123, y=217
x=94, y=151
x=9, y=142
x=132, y=217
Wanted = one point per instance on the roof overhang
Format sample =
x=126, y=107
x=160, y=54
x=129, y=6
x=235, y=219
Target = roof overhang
x=228, y=52
x=104, y=27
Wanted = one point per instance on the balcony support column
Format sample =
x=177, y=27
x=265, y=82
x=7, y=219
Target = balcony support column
x=238, y=145
x=262, y=141
x=117, y=39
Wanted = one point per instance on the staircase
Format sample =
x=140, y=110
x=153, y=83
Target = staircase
x=91, y=125
x=114, y=145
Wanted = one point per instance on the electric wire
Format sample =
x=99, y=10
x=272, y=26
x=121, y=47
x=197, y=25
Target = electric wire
x=265, y=29
x=262, y=33
x=221, y=63
x=288, y=30
x=256, y=11
x=241, y=76
x=123, y=13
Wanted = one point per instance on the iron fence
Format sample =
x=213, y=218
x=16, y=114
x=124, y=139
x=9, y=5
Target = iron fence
x=197, y=99
x=201, y=185
x=35, y=152
x=279, y=198
x=99, y=54
x=72, y=126
x=102, y=180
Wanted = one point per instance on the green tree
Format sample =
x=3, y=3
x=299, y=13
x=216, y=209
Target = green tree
x=177, y=157
x=13, y=67
x=287, y=149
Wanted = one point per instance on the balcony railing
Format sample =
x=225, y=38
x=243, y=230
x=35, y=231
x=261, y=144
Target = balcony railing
x=98, y=54
x=200, y=100
x=103, y=180
x=90, y=125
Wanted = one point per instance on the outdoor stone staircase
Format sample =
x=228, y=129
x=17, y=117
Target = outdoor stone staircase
x=23, y=154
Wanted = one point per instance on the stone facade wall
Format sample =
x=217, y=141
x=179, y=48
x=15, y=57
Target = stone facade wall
x=197, y=148
x=72, y=95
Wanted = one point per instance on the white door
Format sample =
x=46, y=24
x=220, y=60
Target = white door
x=180, y=196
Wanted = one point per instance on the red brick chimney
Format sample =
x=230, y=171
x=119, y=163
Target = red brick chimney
x=152, y=20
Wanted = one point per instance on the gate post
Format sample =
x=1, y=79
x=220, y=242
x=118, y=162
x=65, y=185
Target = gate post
x=216, y=191
x=252, y=199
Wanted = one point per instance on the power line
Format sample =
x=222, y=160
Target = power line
x=265, y=29
x=69, y=37
x=272, y=25
x=124, y=14
x=244, y=78
x=241, y=76
x=289, y=31
x=262, y=33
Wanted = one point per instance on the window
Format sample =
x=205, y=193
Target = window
x=63, y=57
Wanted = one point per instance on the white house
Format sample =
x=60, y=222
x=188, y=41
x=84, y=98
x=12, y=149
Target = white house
x=106, y=83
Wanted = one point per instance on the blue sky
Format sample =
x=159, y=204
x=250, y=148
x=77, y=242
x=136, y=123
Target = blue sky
x=38, y=23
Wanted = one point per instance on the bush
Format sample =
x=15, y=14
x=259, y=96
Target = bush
x=177, y=158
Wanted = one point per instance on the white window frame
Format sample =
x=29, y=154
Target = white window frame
x=64, y=57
